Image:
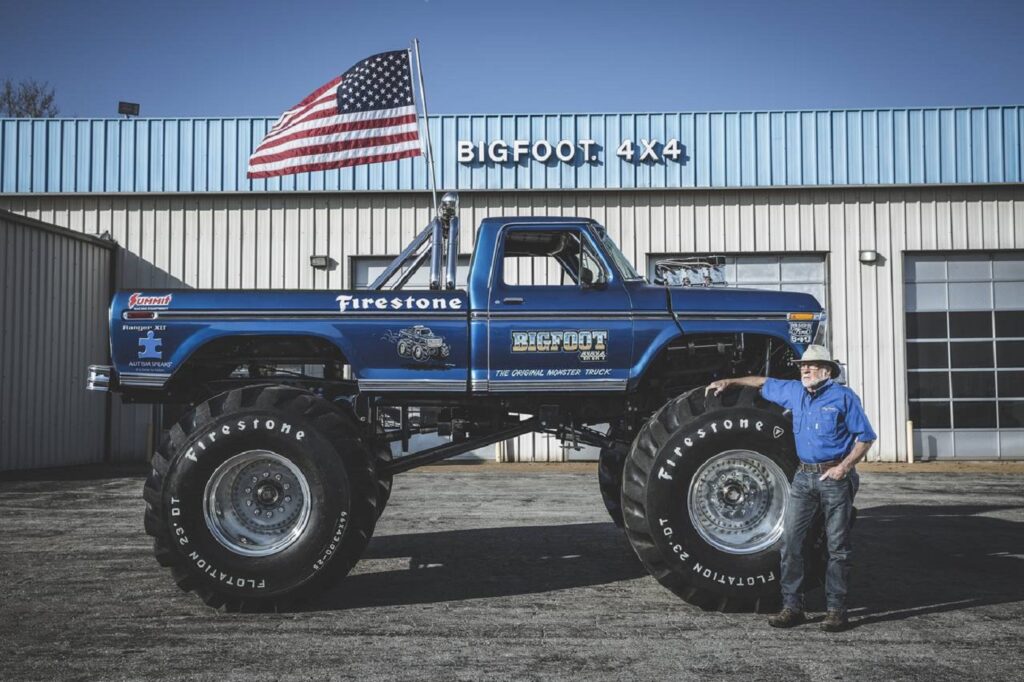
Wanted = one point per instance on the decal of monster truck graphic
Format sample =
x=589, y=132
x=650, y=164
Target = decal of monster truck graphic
x=420, y=343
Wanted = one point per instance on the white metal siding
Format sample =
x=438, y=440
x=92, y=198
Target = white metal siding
x=234, y=241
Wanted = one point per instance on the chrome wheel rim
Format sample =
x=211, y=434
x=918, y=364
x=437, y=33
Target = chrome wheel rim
x=737, y=501
x=257, y=503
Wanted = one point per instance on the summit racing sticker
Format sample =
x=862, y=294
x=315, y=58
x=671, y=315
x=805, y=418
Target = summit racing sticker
x=591, y=345
x=140, y=300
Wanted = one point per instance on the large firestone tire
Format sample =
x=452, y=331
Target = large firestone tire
x=291, y=459
x=610, y=464
x=382, y=457
x=704, y=493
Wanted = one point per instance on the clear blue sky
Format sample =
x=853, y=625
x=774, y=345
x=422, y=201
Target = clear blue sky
x=256, y=58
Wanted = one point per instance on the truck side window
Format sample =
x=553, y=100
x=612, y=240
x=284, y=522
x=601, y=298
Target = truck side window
x=548, y=258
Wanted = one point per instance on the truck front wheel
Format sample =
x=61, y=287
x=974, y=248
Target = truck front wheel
x=260, y=496
x=704, y=495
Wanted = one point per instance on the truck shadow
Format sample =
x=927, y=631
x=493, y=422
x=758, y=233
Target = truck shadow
x=909, y=560
x=913, y=560
x=486, y=562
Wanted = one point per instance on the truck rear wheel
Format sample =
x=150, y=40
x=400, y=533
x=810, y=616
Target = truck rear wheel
x=705, y=489
x=609, y=472
x=261, y=496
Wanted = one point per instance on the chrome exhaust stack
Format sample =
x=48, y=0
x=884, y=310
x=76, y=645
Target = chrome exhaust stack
x=449, y=213
x=440, y=238
x=445, y=242
x=436, y=252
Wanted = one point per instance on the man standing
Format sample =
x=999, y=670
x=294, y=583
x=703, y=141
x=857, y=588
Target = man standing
x=832, y=434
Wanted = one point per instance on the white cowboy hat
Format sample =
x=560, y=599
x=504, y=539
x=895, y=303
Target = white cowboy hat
x=821, y=355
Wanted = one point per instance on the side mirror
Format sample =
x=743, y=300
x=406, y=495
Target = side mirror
x=588, y=280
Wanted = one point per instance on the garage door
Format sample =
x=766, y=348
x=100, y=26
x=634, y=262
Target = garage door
x=965, y=354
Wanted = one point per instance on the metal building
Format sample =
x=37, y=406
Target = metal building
x=908, y=224
x=55, y=287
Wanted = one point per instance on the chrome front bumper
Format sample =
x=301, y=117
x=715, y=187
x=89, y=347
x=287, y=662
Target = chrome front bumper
x=99, y=378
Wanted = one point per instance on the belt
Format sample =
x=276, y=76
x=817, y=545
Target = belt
x=818, y=467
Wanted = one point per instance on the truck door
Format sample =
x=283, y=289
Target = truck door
x=558, y=313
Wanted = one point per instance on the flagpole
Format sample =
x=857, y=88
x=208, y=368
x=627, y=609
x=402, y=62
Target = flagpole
x=426, y=123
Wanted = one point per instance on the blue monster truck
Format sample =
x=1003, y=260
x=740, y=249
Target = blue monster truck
x=269, y=484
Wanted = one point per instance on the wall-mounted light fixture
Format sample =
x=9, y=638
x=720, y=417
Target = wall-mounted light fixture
x=128, y=108
x=322, y=263
x=868, y=257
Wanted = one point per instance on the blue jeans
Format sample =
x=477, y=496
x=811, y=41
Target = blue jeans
x=808, y=495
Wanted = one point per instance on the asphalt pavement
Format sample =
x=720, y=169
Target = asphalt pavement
x=504, y=573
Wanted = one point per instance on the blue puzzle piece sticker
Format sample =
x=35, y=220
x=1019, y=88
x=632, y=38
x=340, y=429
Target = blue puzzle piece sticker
x=150, y=347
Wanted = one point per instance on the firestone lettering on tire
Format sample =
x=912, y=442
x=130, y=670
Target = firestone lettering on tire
x=254, y=424
x=716, y=427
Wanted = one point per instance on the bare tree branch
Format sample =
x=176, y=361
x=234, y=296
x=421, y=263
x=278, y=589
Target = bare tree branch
x=27, y=99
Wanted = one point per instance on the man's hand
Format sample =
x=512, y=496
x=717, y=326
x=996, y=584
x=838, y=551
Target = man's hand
x=718, y=386
x=836, y=473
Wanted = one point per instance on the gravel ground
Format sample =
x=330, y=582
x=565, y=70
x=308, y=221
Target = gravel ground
x=504, y=574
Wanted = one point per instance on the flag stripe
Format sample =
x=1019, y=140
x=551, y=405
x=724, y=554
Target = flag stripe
x=342, y=163
x=327, y=118
x=338, y=164
x=325, y=93
x=336, y=146
x=316, y=110
x=328, y=129
x=312, y=140
x=346, y=154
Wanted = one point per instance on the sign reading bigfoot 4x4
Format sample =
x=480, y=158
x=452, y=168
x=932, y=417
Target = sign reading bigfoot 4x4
x=569, y=151
x=590, y=344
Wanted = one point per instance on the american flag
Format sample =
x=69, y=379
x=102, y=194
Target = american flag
x=366, y=115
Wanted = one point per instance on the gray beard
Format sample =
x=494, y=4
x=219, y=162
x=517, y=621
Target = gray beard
x=813, y=388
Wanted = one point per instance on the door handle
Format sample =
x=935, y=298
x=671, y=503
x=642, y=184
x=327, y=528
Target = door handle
x=512, y=300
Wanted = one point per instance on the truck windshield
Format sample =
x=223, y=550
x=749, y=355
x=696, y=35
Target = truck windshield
x=612, y=248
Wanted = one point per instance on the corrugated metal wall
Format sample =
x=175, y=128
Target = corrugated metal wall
x=722, y=150
x=55, y=288
x=255, y=242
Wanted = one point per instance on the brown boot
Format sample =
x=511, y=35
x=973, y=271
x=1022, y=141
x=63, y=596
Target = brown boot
x=787, y=618
x=835, y=621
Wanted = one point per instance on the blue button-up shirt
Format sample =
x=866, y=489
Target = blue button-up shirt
x=825, y=424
